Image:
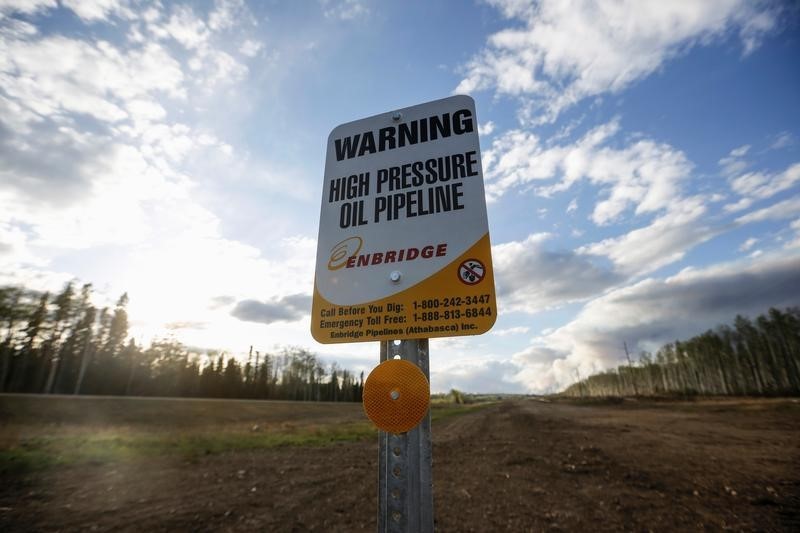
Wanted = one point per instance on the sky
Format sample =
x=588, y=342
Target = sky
x=641, y=162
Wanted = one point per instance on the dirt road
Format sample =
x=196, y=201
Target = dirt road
x=517, y=466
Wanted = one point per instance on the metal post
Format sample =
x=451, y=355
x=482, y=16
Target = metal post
x=405, y=495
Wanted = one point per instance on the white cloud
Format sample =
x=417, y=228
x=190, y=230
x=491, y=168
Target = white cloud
x=250, y=48
x=733, y=163
x=151, y=13
x=54, y=76
x=739, y=205
x=643, y=174
x=142, y=110
x=754, y=28
x=653, y=312
x=748, y=244
x=97, y=10
x=15, y=249
x=568, y=51
x=187, y=28
x=28, y=7
x=783, y=140
x=664, y=241
x=207, y=39
x=758, y=185
x=112, y=193
x=344, y=9
x=228, y=13
x=486, y=128
x=781, y=210
x=573, y=205
x=741, y=151
x=716, y=197
x=517, y=330
x=222, y=67
x=795, y=242
x=753, y=186
x=482, y=375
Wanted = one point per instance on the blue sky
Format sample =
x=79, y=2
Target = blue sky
x=641, y=161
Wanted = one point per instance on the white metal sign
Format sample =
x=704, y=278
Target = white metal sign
x=403, y=249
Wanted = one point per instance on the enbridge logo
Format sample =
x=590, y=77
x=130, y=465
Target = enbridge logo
x=345, y=254
x=344, y=250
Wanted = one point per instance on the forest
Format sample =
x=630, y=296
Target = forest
x=753, y=357
x=63, y=344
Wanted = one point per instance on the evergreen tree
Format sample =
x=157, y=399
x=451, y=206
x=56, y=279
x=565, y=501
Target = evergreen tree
x=11, y=315
x=65, y=345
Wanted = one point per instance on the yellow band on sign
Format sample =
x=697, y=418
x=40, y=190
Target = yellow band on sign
x=457, y=300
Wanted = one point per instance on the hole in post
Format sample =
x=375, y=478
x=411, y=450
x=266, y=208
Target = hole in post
x=396, y=451
x=396, y=343
x=396, y=516
x=397, y=471
x=396, y=357
x=395, y=494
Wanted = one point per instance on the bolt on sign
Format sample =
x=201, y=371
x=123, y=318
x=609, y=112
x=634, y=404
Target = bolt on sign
x=403, y=249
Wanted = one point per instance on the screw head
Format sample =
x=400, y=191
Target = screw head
x=395, y=276
x=396, y=116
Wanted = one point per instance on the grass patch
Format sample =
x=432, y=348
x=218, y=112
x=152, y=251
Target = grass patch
x=107, y=447
x=445, y=411
x=24, y=459
x=40, y=446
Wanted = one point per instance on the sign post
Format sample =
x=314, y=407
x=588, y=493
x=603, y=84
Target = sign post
x=405, y=482
x=403, y=255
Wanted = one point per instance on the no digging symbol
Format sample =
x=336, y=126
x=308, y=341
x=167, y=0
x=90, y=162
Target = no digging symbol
x=471, y=272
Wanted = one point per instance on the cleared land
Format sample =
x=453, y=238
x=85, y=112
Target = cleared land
x=519, y=465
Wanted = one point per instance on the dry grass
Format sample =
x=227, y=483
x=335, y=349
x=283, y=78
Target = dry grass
x=45, y=431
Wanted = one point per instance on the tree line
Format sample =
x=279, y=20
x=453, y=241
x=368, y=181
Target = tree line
x=753, y=357
x=63, y=344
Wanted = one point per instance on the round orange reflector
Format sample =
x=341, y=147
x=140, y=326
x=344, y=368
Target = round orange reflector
x=396, y=396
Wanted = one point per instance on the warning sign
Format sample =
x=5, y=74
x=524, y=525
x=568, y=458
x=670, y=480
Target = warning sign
x=403, y=249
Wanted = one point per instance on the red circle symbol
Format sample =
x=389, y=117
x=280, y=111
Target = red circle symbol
x=471, y=272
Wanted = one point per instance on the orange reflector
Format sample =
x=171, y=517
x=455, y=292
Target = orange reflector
x=396, y=396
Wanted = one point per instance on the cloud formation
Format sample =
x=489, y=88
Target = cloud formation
x=478, y=376
x=644, y=175
x=89, y=153
x=778, y=211
x=653, y=312
x=551, y=68
x=530, y=278
x=285, y=309
x=344, y=9
x=754, y=186
x=99, y=144
x=662, y=242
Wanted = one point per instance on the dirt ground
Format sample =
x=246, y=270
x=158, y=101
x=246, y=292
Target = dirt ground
x=521, y=465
